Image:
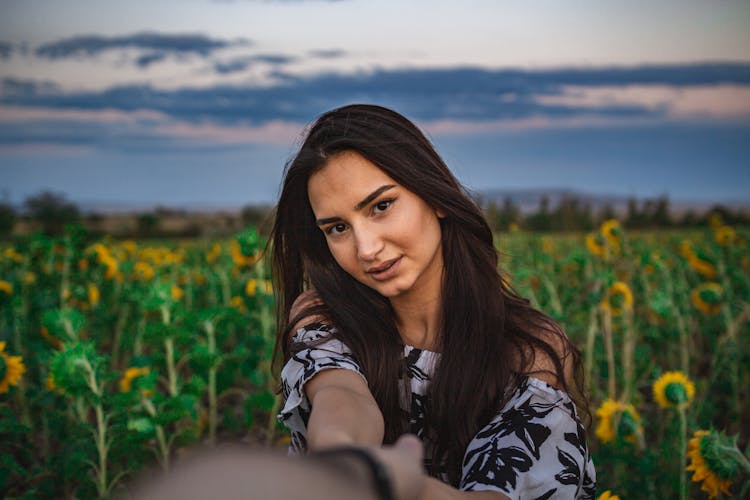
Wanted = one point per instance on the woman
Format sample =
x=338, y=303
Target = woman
x=394, y=319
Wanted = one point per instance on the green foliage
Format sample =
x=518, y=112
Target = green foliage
x=182, y=358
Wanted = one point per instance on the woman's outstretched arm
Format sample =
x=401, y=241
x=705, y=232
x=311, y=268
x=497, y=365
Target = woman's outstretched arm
x=343, y=411
x=343, y=408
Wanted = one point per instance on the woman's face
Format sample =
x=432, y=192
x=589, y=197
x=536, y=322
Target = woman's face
x=378, y=231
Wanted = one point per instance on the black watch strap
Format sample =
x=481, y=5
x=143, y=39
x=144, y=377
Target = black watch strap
x=380, y=478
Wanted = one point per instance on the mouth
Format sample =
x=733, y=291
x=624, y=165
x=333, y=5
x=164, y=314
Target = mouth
x=385, y=270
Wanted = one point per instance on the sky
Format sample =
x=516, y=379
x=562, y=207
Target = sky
x=202, y=102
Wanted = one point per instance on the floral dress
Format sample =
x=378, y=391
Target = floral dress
x=535, y=448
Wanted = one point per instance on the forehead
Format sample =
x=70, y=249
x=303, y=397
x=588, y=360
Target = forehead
x=343, y=181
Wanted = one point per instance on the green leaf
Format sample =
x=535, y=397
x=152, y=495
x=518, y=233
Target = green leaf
x=142, y=425
x=263, y=400
x=64, y=324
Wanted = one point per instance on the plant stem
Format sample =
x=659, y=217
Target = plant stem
x=553, y=296
x=122, y=317
x=627, y=356
x=212, y=407
x=683, y=451
x=65, y=269
x=102, y=448
x=160, y=438
x=169, y=348
x=607, y=331
x=590, y=341
x=226, y=291
x=171, y=372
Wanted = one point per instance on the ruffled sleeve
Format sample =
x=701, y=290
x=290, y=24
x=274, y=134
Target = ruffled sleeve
x=535, y=448
x=323, y=352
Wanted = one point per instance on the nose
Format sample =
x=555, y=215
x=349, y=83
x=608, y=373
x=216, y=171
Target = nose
x=369, y=243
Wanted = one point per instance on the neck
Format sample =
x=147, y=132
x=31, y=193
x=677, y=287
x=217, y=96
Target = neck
x=419, y=315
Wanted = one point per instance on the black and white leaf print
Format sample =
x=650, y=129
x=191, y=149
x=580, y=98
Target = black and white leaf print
x=588, y=488
x=570, y=474
x=547, y=494
x=497, y=466
x=520, y=421
x=417, y=415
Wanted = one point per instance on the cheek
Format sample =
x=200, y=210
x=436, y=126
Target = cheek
x=344, y=256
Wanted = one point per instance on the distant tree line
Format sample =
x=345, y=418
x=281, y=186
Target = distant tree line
x=52, y=211
x=572, y=214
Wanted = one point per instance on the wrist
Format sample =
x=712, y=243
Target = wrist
x=329, y=438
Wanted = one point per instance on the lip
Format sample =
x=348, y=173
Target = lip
x=384, y=271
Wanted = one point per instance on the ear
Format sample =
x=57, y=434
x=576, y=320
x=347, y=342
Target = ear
x=440, y=214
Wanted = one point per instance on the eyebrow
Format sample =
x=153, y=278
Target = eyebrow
x=359, y=206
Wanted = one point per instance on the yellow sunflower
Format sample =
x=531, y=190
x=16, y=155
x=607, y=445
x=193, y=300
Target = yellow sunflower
x=130, y=247
x=126, y=382
x=673, y=389
x=706, y=469
x=177, y=292
x=199, y=278
x=724, y=235
x=702, y=266
x=607, y=495
x=547, y=246
x=6, y=287
x=143, y=270
x=239, y=258
x=611, y=230
x=93, y=295
x=238, y=303
x=214, y=253
x=11, y=369
x=686, y=249
x=617, y=418
x=595, y=243
x=707, y=298
x=618, y=298
x=253, y=286
x=715, y=220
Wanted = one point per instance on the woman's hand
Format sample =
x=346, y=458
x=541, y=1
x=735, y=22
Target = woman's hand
x=403, y=462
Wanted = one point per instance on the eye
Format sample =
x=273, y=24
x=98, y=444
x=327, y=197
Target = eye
x=335, y=229
x=382, y=206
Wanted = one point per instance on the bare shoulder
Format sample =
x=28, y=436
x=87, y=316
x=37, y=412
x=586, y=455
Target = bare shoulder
x=543, y=365
x=304, y=302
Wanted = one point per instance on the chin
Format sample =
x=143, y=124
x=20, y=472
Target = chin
x=391, y=290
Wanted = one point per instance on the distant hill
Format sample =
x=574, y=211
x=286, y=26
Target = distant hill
x=528, y=200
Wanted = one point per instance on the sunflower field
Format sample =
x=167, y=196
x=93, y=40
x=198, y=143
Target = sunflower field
x=121, y=356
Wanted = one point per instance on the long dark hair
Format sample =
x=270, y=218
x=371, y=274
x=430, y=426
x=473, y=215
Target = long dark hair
x=490, y=335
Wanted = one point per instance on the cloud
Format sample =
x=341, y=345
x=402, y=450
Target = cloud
x=451, y=95
x=327, y=53
x=6, y=49
x=242, y=63
x=16, y=88
x=91, y=45
x=150, y=58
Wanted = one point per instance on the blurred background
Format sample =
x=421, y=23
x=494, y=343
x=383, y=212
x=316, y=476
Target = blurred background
x=142, y=146
x=164, y=110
